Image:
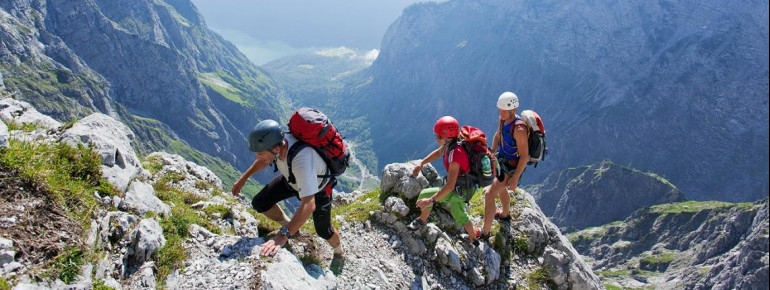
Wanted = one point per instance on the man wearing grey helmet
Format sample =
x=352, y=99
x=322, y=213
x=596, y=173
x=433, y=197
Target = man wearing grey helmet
x=271, y=145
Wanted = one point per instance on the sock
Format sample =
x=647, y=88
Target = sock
x=339, y=250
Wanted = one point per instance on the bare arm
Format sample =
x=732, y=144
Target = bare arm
x=520, y=134
x=496, y=139
x=428, y=159
x=254, y=168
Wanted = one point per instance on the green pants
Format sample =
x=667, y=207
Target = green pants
x=456, y=204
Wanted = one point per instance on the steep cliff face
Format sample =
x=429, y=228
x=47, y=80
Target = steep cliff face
x=601, y=193
x=670, y=87
x=156, y=59
x=695, y=245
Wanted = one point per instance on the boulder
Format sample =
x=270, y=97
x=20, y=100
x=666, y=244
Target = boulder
x=397, y=178
x=286, y=272
x=20, y=112
x=447, y=255
x=141, y=197
x=114, y=227
x=492, y=262
x=193, y=173
x=146, y=239
x=396, y=206
x=111, y=139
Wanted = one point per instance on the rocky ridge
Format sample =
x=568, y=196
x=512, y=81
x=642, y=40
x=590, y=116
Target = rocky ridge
x=133, y=236
x=599, y=194
x=691, y=245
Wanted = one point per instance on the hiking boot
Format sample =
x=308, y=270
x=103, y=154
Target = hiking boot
x=338, y=264
x=480, y=235
x=416, y=224
x=499, y=216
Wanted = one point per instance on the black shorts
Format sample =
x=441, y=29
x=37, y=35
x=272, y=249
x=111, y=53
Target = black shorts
x=278, y=189
x=506, y=167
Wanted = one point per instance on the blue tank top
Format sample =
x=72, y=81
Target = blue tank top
x=507, y=147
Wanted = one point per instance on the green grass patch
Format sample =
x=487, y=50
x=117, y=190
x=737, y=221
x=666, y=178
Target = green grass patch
x=659, y=259
x=69, y=124
x=67, y=265
x=222, y=87
x=696, y=206
x=223, y=211
x=661, y=179
x=612, y=287
x=203, y=185
x=616, y=273
x=539, y=278
x=476, y=204
x=175, y=227
x=25, y=127
x=358, y=209
x=71, y=174
x=520, y=244
x=4, y=285
x=170, y=257
x=98, y=284
x=642, y=273
x=153, y=163
x=266, y=225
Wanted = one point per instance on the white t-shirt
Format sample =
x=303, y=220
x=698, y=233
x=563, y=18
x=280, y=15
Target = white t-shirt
x=307, y=165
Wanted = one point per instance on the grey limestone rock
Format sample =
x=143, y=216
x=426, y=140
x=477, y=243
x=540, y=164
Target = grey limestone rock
x=141, y=197
x=397, y=178
x=111, y=139
x=3, y=135
x=146, y=239
x=396, y=206
x=20, y=112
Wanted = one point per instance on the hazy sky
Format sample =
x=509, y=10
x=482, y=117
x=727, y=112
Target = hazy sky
x=265, y=30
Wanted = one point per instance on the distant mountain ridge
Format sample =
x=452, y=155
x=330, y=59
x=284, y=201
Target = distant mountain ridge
x=673, y=87
x=153, y=64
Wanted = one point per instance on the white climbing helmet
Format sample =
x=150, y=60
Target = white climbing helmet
x=507, y=101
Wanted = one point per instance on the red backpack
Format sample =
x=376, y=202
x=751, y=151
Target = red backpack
x=483, y=166
x=312, y=128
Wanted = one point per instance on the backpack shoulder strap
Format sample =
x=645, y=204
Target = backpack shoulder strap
x=293, y=150
x=519, y=122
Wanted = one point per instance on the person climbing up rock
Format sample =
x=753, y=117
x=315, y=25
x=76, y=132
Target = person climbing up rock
x=456, y=162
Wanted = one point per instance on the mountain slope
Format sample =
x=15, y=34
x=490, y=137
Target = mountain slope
x=174, y=227
x=693, y=245
x=670, y=87
x=142, y=61
x=603, y=192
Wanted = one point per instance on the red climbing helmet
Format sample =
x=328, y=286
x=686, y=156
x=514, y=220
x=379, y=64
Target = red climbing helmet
x=447, y=127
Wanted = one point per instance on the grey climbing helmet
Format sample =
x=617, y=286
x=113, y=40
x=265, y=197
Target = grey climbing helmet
x=265, y=135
